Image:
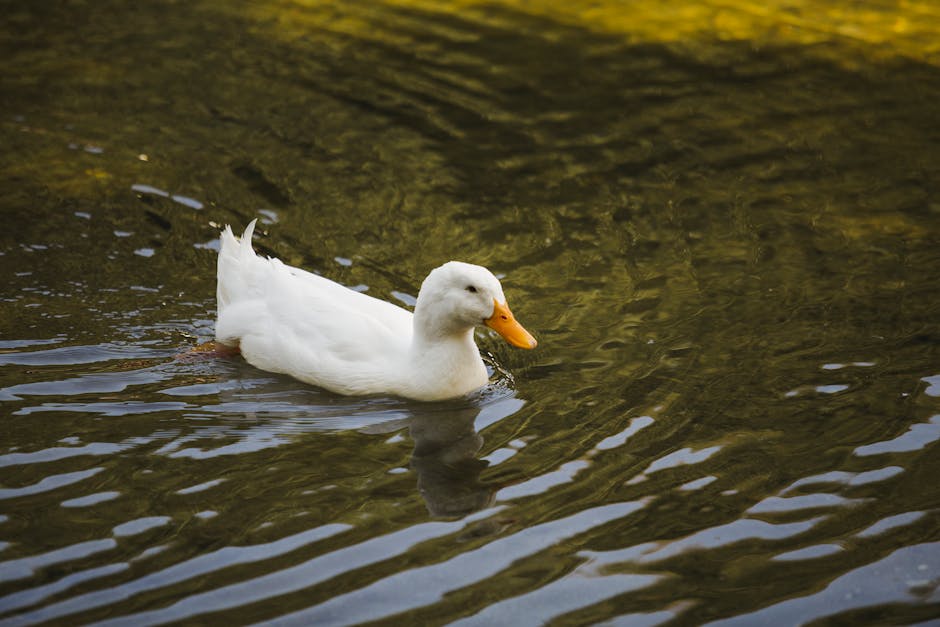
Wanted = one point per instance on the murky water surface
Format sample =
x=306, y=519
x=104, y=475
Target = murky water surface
x=729, y=252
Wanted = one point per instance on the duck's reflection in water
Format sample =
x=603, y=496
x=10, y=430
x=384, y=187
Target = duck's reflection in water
x=446, y=446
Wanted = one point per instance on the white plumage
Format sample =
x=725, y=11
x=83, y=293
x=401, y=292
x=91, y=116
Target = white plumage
x=287, y=320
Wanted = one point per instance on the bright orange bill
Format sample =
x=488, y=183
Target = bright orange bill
x=503, y=322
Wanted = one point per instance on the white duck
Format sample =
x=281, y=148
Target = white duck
x=288, y=320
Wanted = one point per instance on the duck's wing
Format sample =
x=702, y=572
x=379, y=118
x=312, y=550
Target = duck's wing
x=291, y=321
x=388, y=314
x=243, y=275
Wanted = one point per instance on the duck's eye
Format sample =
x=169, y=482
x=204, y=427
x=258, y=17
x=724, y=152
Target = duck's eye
x=471, y=289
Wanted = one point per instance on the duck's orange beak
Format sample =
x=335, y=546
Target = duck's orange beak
x=503, y=322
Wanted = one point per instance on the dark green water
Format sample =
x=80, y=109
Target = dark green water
x=730, y=257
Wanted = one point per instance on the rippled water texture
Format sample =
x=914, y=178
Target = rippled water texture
x=727, y=245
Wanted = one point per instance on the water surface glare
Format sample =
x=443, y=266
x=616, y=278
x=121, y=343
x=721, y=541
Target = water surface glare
x=720, y=220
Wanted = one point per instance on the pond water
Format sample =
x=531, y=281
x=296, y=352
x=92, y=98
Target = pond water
x=729, y=250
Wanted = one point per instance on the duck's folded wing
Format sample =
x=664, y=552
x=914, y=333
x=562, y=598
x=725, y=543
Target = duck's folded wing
x=314, y=330
x=397, y=319
x=244, y=276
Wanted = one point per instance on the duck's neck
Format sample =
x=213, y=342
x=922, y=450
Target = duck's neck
x=448, y=355
x=441, y=333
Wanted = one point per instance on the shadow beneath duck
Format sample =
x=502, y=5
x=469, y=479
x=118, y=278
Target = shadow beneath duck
x=445, y=457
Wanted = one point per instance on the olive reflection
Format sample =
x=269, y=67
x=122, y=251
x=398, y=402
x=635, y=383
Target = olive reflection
x=446, y=445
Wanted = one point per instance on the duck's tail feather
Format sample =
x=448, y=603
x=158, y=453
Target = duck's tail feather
x=234, y=257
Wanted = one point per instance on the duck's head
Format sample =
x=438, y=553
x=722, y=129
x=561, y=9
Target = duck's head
x=458, y=296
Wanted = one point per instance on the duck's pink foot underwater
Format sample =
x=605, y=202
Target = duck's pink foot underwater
x=209, y=350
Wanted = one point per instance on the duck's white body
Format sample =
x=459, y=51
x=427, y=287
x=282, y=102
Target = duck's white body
x=287, y=320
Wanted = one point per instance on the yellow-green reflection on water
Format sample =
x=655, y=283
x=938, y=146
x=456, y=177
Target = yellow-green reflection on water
x=878, y=29
x=722, y=222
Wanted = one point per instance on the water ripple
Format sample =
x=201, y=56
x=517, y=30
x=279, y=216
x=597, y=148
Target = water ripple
x=430, y=583
x=27, y=566
x=706, y=539
x=572, y=592
x=917, y=437
x=298, y=577
x=48, y=484
x=57, y=453
x=72, y=355
x=867, y=586
x=195, y=567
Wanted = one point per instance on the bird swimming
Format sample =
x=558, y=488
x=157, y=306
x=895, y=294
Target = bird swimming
x=287, y=320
